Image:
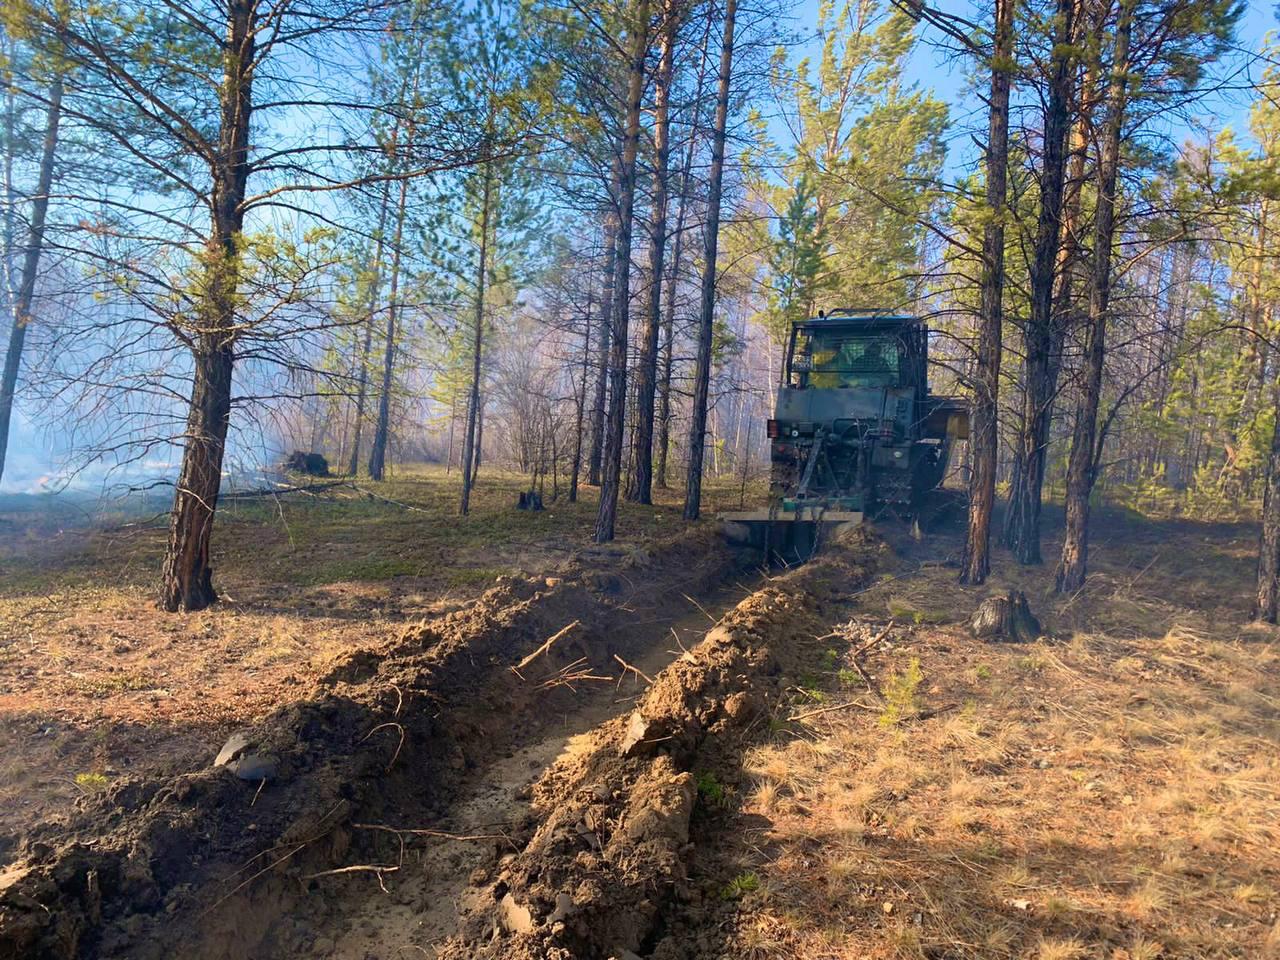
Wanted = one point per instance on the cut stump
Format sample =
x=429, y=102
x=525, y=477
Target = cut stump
x=1006, y=617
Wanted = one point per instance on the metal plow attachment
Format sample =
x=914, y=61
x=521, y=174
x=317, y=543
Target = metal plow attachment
x=792, y=536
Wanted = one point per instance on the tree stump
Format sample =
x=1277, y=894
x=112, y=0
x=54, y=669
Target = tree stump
x=530, y=501
x=1005, y=617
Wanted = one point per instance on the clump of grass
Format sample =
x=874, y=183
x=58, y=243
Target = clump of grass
x=712, y=793
x=913, y=614
x=91, y=781
x=737, y=888
x=900, y=694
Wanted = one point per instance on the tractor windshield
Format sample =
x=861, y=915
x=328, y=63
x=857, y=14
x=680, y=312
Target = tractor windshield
x=840, y=359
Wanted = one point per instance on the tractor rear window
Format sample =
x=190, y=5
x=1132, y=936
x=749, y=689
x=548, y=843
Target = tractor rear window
x=844, y=361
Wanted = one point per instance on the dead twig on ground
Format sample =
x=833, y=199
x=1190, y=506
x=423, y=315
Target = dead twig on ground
x=795, y=717
x=700, y=607
x=559, y=634
x=383, y=726
x=571, y=674
x=442, y=834
x=636, y=670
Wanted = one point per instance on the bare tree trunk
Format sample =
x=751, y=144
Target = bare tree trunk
x=187, y=576
x=1082, y=466
x=611, y=461
x=21, y=307
x=1267, y=598
x=580, y=402
x=602, y=354
x=470, y=437
x=984, y=440
x=706, y=317
x=378, y=453
x=375, y=284
x=478, y=455
x=1022, y=519
x=673, y=281
x=639, y=490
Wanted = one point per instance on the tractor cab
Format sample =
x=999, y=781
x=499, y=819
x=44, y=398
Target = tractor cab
x=847, y=350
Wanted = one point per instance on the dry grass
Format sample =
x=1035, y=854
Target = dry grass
x=1111, y=793
x=94, y=680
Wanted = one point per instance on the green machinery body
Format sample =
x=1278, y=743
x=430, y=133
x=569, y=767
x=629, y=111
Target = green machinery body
x=855, y=430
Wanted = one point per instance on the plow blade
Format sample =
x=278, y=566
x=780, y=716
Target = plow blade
x=792, y=535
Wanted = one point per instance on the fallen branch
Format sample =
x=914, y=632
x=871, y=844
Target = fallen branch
x=275, y=491
x=559, y=634
x=420, y=832
x=839, y=706
x=395, y=503
x=376, y=869
x=637, y=671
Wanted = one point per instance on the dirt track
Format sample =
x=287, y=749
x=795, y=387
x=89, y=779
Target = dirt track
x=433, y=732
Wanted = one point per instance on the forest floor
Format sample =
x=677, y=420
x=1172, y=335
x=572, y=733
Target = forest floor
x=96, y=684
x=1111, y=791
x=841, y=770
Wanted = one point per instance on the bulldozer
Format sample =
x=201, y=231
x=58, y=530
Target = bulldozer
x=855, y=433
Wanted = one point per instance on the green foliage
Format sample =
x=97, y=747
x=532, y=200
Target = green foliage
x=92, y=781
x=711, y=792
x=741, y=885
x=900, y=694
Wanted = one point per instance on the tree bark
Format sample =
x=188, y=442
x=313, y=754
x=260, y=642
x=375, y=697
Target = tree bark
x=580, y=402
x=706, y=314
x=1022, y=518
x=381, y=432
x=187, y=576
x=1267, y=597
x=611, y=461
x=470, y=437
x=375, y=284
x=673, y=281
x=602, y=353
x=640, y=488
x=984, y=440
x=21, y=307
x=1082, y=465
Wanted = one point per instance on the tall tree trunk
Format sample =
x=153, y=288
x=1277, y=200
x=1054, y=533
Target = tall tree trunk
x=580, y=402
x=602, y=352
x=478, y=454
x=21, y=306
x=1022, y=518
x=470, y=438
x=1082, y=465
x=381, y=432
x=984, y=438
x=375, y=285
x=639, y=490
x=673, y=280
x=611, y=461
x=1267, y=597
x=187, y=576
x=706, y=315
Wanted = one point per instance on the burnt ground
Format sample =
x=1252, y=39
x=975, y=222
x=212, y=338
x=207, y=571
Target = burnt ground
x=833, y=768
x=96, y=686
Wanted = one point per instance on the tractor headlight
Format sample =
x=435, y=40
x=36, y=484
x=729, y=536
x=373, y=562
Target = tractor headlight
x=897, y=454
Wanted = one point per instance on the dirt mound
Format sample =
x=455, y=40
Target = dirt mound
x=202, y=865
x=612, y=841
